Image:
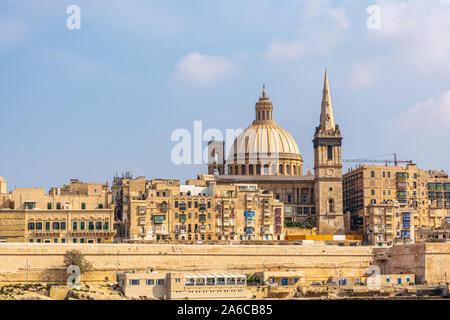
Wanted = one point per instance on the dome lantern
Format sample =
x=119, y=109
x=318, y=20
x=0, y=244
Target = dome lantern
x=264, y=109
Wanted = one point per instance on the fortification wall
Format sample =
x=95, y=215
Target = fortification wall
x=44, y=262
x=41, y=261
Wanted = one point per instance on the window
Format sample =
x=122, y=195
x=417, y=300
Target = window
x=372, y=174
x=280, y=168
x=82, y=223
x=56, y=225
x=38, y=225
x=134, y=282
x=389, y=174
x=289, y=198
x=250, y=169
x=384, y=174
x=74, y=240
x=83, y=206
x=100, y=206
x=330, y=153
x=47, y=226
x=63, y=226
x=106, y=225
x=243, y=169
x=99, y=240
x=30, y=225
x=176, y=204
x=91, y=225
x=98, y=226
x=331, y=205
x=160, y=282
x=258, y=169
x=49, y=206
x=150, y=282
x=288, y=169
x=74, y=226
x=30, y=205
x=58, y=206
x=373, y=192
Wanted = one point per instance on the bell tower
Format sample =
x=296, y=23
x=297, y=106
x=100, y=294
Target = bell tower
x=328, y=169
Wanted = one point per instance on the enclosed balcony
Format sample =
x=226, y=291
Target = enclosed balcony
x=159, y=218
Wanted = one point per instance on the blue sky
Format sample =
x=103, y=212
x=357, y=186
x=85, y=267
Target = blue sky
x=87, y=103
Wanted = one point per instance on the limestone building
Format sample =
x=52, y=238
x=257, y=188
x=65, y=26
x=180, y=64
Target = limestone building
x=78, y=212
x=183, y=285
x=197, y=211
x=390, y=222
x=267, y=155
x=426, y=192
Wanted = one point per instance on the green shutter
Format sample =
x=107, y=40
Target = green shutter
x=49, y=206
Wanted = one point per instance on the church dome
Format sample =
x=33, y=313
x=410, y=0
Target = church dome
x=264, y=148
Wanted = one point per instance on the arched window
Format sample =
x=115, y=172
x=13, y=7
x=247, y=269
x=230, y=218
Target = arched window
x=259, y=115
x=274, y=169
x=231, y=170
x=243, y=169
x=266, y=169
x=263, y=113
x=267, y=115
x=293, y=170
x=280, y=169
x=250, y=169
x=258, y=169
x=288, y=169
x=330, y=153
x=331, y=205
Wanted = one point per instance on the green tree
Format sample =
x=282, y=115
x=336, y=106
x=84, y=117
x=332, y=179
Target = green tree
x=75, y=257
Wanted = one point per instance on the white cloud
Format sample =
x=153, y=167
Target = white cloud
x=289, y=50
x=415, y=33
x=362, y=74
x=321, y=28
x=428, y=117
x=202, y=69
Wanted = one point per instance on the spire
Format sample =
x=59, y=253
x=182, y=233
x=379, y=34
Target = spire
x=326, y=113
x=264, y=91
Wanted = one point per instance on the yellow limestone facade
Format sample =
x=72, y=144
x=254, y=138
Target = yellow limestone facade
x=201, y=210
x=424, y=193
x=78, y=212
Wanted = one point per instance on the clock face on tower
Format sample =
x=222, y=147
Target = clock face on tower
x=330, y=172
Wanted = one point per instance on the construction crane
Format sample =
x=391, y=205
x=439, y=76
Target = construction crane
x=368, y=160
